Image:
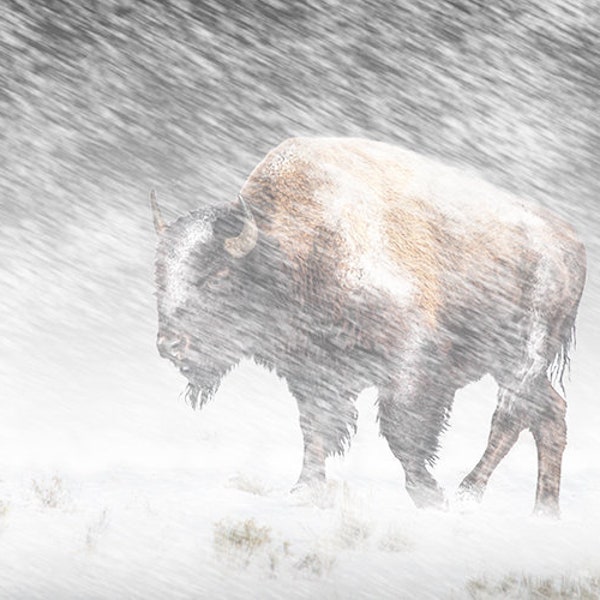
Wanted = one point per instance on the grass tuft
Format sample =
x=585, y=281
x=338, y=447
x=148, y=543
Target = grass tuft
x=315, y=564
x=514, y=587
x=354, y=525
x=249, y=485
x=95, y=530
x=396, y=541
x=51, y=494
x=240, y=539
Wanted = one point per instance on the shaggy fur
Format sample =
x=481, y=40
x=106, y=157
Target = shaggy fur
x=376, y=266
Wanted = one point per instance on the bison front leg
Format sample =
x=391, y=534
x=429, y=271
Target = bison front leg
x=327, y=420
x=411, y=418
x=313, y=459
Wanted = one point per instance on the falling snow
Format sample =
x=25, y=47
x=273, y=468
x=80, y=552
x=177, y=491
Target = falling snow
x=110, y=486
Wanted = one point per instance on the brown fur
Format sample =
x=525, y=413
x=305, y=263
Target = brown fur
x=287, y=189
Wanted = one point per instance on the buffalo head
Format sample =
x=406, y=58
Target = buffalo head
x=201, y=295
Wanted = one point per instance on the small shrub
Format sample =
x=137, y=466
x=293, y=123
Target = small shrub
x=354, y=526
x=240, y=539
x=51, y=494
x=95, y=530
x=395, y=541
x=278, y=554
x=352, y=531
x=249, y=485
x=315, y=564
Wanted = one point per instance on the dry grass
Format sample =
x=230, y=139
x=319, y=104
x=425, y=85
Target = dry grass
x=249, y=485
x=513, y=587
x=240, y=540
x=395, y=540
x=50, y=494
x=353, y=530
x=316, y=564
x=95, y=531
x=242, y=543
x=354, y=526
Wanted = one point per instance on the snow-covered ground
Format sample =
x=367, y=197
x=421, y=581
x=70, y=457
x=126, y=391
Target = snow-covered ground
x=128, y=493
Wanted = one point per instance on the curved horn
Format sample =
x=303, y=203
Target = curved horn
x=241, y=245
x=159, y=223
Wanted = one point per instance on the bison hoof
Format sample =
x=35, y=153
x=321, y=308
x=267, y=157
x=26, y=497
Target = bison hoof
x=427, y=496
x=314, y=492
x=310, y=478
x=470, y=490
x=308, y=485
x=300, y=487
x=549, y=510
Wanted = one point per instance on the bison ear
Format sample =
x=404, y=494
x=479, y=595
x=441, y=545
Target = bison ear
x=243, y=243
x=159, y=223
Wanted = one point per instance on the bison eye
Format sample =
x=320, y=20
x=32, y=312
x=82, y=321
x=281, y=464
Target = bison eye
x=215, y=278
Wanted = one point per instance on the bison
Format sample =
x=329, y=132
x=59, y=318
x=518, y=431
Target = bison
x=347, y=263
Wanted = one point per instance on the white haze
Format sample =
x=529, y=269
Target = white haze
x=110, y=486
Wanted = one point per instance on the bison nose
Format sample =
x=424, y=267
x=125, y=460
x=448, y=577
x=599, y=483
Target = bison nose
x=172, y=346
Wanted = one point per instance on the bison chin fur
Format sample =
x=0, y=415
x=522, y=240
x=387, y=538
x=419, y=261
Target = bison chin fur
x=198, y=397
x=198, y=394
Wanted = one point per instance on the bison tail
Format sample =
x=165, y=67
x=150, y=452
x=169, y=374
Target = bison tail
x=561, y=363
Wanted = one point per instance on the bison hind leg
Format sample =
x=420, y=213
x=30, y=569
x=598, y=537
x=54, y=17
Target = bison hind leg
x=526, y=399
x=549, y=430
x=507, y=424
x=543, y=412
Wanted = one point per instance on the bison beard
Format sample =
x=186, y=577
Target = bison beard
x=201, y=388
x=192, y=392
